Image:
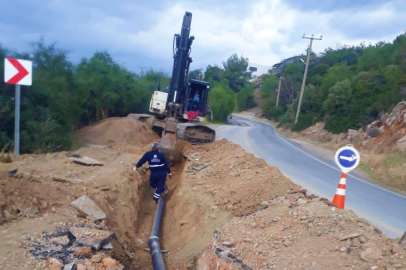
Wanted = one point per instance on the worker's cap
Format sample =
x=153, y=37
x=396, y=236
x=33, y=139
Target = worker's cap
x=155, y=145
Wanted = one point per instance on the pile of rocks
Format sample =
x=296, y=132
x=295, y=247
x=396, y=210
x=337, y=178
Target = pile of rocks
x=301, y=232
x=74, y=248
x=390, y=126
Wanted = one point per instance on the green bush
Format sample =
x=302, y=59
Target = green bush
x=304, y=121
x=245, y=99
x=221, y=99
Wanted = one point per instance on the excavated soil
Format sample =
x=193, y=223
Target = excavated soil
x=225, y=209
x=117, y=131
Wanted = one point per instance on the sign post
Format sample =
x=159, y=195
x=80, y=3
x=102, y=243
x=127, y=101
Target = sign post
x=17, y=122
x=18, y=72
x=347, y=158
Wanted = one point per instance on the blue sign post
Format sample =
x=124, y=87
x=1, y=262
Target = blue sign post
x=347, y=158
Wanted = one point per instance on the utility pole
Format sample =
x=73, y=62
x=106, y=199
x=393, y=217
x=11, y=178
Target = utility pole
x=309, y=50
x=279, y=90
x=200, y=74
x=142, y=71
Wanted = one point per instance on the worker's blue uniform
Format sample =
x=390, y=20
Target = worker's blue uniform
x=196, y=100
x=158, y=167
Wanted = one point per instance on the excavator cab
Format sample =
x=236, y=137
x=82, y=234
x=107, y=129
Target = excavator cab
x=198, y=108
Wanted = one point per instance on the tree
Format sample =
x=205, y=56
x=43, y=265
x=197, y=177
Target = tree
x=269, y=85
x=221, y=99
x=194, y=74
x=213, y=72
x=245, y=98
x=235, y=71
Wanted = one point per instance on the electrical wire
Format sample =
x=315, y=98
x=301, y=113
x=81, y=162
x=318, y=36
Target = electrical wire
x=335, y=16
x=347, y=17
x=370, y=14
x=325, y=15
x=298, y=46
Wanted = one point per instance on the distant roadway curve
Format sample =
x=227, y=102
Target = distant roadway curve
x=383, y=208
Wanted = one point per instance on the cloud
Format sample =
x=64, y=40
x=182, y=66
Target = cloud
x=140, y=33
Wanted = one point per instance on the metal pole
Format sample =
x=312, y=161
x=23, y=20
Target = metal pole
x=305, y=76
x=17, y=122
x=279, y=90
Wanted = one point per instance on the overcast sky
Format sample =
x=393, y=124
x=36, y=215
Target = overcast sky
x=139, y=33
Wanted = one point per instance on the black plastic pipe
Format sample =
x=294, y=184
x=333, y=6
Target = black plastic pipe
x=154, y=242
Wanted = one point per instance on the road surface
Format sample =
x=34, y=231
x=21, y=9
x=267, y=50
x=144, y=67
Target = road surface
x=383, y=208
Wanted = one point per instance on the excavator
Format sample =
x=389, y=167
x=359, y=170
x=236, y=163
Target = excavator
x=174, y=116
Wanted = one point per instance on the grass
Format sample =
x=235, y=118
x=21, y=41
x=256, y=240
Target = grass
x=385, y=166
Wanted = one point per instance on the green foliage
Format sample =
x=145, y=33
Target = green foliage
x=194, y=74
x=235, y=77
x=213, y=73
x=269, y=85
x=376, y=56
x=65, y=97
x=245, y=98
x=338, y=98
x=221, y=98
x=305, y=121
x=235, y=71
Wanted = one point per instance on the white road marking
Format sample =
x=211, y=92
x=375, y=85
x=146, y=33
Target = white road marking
x=360, y=212
x=366, y=182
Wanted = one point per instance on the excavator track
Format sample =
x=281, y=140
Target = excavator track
x=195, y=134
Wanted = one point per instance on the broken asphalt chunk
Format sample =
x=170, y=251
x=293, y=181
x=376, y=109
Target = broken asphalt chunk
x=86, y=161
x=87, y=206
x=92, y=237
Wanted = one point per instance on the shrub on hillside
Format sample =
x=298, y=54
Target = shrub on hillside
x=305, y=121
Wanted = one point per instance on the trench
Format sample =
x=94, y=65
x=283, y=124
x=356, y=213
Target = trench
x=187, y=225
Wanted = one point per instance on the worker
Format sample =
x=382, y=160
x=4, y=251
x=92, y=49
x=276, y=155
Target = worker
x=196, y=99
x=158, y=167
x=166, y=89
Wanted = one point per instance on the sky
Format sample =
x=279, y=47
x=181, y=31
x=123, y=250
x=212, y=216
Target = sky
x=139, y=34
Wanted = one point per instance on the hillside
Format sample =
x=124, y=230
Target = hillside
x=382, y=145
x=346, y=89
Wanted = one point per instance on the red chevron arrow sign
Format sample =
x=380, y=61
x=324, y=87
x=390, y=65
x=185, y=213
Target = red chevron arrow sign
x=17, y=71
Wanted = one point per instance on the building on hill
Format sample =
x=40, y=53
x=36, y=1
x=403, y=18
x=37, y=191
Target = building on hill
x=278, y=68
x=258, y=70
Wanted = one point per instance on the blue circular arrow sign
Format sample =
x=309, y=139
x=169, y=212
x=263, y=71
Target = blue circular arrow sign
x=347, y=158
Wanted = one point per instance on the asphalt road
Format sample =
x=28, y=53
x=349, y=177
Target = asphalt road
x=383, y=208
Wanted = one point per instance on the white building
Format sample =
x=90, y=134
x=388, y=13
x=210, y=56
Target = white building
x=260, y=69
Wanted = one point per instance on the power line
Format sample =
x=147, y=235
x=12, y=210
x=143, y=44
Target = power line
x=325, y=15
x=298, y=46
x=335, y=16
x=370, y=14
x=347, y=17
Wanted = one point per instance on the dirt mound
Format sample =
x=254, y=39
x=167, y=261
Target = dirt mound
x=236, y=180
x=260, y=219
x=37, y=190
x=117, y=130
x=297, y=232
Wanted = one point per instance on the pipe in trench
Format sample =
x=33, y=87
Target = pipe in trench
x=154, y=242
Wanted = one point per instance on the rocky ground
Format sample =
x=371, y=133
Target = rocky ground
x=226, y=209
x=387, y=133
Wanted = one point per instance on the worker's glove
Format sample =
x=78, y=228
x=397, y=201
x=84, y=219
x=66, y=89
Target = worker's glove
x=135, y=169
x=170, y=176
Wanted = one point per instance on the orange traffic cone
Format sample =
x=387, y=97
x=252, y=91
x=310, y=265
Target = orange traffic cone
x=339, y=198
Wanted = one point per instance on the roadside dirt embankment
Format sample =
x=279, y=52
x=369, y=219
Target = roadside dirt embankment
x=225, y=209
x=117, y=131
x=382, y=146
